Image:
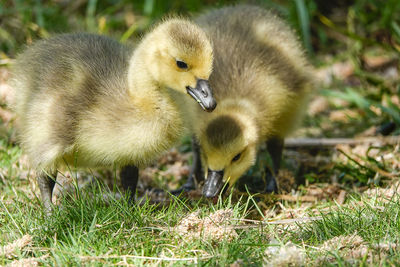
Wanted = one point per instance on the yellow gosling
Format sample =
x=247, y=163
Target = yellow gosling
x=88, y=101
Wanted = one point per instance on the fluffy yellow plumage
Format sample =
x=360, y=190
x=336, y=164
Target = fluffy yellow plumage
x=88, y=101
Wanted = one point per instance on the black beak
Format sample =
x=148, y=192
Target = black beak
x=213, y=183
x=203, y=95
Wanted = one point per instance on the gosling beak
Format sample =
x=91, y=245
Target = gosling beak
x=202, y=93
x=213, y=183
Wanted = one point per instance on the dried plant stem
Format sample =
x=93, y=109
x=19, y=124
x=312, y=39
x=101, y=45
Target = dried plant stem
x=88, y=258
x=330, y=142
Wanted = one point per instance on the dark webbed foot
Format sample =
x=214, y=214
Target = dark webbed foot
x=256, y=184
x=275, y=148
x=129, y=179
x=46, y=185
x=263, y=182
x=271, y=186
x=196, y=173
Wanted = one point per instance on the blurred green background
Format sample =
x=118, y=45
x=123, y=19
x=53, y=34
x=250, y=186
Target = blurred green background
x=354, y=45
x=321, y=24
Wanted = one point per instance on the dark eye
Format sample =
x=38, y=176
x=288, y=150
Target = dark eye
x=237, y=157
x=181, y=64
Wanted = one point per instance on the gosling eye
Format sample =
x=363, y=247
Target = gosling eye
x=237, y=157
x=181, y=64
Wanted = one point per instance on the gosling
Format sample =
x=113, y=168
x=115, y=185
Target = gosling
x=85, y=100
x=261, y=81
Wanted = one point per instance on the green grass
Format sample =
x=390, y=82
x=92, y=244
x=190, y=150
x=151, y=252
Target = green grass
x=376, y=222
x=87, y=226
x=86, y=229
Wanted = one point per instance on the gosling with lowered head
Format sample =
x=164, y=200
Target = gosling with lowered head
x=261, y=81
x=87, y=101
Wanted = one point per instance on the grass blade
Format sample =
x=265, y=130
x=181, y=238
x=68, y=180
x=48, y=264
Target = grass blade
x=304, y=20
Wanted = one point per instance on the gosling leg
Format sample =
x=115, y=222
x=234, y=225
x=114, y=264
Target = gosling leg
x=275, y=148
x=46, y=185
x=196, y=174
x=129, y=179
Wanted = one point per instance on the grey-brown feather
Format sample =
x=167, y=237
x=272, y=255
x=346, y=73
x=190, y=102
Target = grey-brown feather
x=261, y=81
x=230, y=32
x=76, y=70
x=241, y=59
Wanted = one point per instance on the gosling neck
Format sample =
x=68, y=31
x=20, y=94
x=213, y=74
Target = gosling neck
x=140, y=81
x=145, y=92
x=241, y=108
x=244, y=112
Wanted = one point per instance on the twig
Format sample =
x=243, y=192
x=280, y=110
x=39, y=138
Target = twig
x=329, y=142
x=142, y=257
x=297, y=220
x=363, y=164
x=296, y=198
x=342, y=197
x=284, y=221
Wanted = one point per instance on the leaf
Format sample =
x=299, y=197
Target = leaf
x=304, y=18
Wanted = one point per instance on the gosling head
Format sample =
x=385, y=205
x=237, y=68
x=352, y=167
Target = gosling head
x=182, y=59
x=229, y=148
